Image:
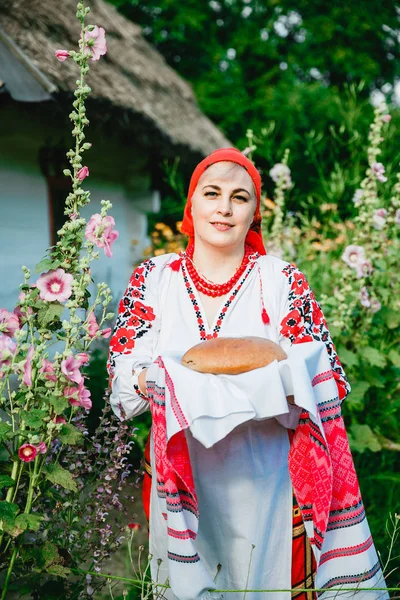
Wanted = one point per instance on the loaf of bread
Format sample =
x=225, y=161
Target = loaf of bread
x=232, y=355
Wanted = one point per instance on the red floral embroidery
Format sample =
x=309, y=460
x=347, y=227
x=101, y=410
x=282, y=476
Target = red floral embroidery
x=142, y=311
x=134, y=317
x=305, y=322
x=122, y=340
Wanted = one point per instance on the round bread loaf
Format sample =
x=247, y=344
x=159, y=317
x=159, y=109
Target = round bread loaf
x=232, y=355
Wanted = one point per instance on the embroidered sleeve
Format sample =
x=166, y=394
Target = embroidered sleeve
x=131, y=346
x=304, y=321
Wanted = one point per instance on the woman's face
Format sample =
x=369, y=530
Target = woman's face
x=223, y=205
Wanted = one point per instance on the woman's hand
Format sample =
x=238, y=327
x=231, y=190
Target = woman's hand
x=142, y=381
x=290, y=399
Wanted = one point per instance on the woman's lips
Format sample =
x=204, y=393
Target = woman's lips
x=222, y=226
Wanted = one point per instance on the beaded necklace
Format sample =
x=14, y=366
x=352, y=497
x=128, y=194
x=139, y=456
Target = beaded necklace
x=209, y=288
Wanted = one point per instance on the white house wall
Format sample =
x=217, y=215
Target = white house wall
x=25, y=231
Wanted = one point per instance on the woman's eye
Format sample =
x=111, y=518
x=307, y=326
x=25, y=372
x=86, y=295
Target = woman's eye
x=210, y=194
x=242, y=198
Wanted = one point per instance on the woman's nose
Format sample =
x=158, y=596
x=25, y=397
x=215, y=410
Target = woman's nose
x=225, y=206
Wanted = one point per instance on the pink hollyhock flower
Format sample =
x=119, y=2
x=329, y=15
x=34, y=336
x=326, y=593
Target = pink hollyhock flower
x=71, y=394
x=47, y=369
x=379, y=218
x=375, y=305
x=7, y=349
x=106, y=332
x=358, y=194
x=55, y=285
x=9, y=322
x=96, y=42
x=28, y=367
x=100, y=231
x=82, y=173
x=364, y=297
x=364, y=268
x=41, y=448
x=70, y=367
x=21, y=313
x=84, y=397
x=83, y=358
x=379, y=171
x=27, y=452
x=386, y=118
x=62, y=55
x=397, y=217
x=279, y=173
x=353, y=255
x=93, y=326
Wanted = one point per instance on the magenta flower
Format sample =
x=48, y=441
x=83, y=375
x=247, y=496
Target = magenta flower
x=58, y=419
x=379, y=171
x=364, y=268
x=96, y=42
x=364, y=297
x=386, y=118
x=281, y=173
x=70, y=367
x=105, y=333
x=41, y=448
x=27, y=452
x=47, y=369
x=353, y=255
x=84, y=397
x=397, y=217
x=9, y=322
x=55, y=285
x=357, y=198
x=82, y=173
x=100, y=231
x=28, y=367
x=62, y=55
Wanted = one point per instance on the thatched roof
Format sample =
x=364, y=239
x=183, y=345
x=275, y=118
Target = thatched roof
x=132, y=78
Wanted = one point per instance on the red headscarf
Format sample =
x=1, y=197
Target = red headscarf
x=254, y=235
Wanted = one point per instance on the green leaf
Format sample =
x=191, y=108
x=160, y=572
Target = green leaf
x=49, y=313
x=56, y=474
x=59, y=570
x=5, y=428
x=373, y=356
x=32, y=522
x=350, y=359
x=59, y=404
x=47, y=264
x=69, y=434
x=33, y=418
x=6, y=481
x=394, y=357
x=363, y=438
x=44, y=556
x=392, y=318
x=8, y=510
x=357, y=394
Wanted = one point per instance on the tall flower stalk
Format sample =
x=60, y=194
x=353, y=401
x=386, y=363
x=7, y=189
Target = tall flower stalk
x=43, y=395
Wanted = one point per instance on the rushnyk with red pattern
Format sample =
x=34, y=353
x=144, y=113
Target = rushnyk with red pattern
x=340, y=517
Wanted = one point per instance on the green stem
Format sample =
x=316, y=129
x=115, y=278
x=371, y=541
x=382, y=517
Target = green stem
x=9, y=572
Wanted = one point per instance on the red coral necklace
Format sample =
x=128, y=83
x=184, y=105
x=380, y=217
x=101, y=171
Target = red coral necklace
x=209, y=288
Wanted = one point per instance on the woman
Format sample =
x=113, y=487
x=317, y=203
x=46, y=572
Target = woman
x=250, y=533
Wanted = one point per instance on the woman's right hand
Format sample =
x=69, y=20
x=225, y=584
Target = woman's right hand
x=142, y=381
